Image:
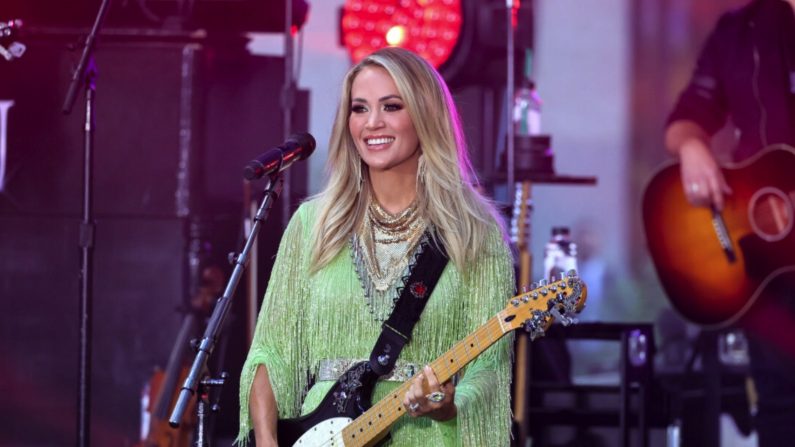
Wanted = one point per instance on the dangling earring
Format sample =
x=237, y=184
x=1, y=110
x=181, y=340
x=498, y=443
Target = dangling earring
x=421, y=169
x=358, y=174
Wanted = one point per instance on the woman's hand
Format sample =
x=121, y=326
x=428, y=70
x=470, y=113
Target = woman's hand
x=702, y=178
x=427, y=397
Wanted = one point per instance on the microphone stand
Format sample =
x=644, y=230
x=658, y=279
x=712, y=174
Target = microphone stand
x=510, y=87
x=86, y=74
x=288, y=103
x=193, y=384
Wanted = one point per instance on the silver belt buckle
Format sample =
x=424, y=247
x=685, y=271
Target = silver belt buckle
x=332, y=369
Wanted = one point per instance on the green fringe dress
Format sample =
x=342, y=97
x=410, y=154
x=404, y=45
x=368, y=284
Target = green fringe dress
x=307, y=318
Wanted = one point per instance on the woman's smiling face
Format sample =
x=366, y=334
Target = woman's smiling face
x=380, y=125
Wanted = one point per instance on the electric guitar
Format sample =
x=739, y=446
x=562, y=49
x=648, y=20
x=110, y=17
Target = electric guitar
x=715, y=265
x=520, y=237
x=343, y=417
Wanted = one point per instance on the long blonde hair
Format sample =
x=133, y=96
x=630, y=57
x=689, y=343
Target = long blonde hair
x=446, y=196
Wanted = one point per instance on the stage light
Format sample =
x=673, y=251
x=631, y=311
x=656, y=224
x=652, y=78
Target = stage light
x=430, y=28
x=396, y=35
x=464, y=39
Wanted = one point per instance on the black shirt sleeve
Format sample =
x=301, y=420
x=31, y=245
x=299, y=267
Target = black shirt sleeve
x=703, y=101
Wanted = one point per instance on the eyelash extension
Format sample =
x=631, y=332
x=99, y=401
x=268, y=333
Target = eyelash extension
x=387, y=107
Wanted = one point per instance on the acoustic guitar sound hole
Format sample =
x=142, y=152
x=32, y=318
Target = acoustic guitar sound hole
x=771, y=214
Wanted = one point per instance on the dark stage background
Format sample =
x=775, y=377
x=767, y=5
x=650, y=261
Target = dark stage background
x=177, y=120
x=178, y=117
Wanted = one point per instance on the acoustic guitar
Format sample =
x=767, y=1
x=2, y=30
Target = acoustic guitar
x=343, y=417
x=715, y=265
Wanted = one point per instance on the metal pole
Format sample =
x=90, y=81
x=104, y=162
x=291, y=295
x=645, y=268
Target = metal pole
x=87, y=228
x=85, y=75
x=510, y=90
x=288, y=102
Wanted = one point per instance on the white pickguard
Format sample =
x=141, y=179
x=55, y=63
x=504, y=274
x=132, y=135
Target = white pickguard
x=325, y=434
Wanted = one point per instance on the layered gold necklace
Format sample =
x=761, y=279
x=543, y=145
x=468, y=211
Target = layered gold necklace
x=383, y=248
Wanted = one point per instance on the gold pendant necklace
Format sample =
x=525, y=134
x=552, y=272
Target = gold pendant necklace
x=383, y=248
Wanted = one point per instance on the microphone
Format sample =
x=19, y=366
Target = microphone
x=298, y=147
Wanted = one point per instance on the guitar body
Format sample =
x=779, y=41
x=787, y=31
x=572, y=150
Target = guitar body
x=348, y=399
x=703, y=284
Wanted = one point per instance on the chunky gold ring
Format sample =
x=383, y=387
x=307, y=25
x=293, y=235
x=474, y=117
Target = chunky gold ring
x=436, y=396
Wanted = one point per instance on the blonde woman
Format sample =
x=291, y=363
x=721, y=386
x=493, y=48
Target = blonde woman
x=398, y=167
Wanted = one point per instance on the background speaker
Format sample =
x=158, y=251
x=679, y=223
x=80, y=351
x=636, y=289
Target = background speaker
x=176, y=123
x=137, y=288
x=174, y=120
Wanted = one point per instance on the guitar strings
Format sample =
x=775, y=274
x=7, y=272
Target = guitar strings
x=391, y=412
x=460, y=349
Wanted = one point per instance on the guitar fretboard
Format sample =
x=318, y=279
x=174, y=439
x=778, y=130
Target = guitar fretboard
x=372, y=425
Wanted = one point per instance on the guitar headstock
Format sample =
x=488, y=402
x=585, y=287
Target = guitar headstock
x=9, y=48
x=537, y=309
x=520, y=216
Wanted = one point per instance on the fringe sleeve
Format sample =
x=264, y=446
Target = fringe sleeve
x=277, y=340
x=483, y=395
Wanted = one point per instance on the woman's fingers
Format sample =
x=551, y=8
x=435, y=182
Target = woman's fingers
x=426, y=396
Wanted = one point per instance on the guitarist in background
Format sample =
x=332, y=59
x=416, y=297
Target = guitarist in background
x=398, y=166
x=746, y=71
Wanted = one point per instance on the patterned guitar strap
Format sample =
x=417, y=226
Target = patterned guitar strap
x=396, y=330
x=357, y=382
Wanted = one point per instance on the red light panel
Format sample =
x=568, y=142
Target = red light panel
x=430, y=28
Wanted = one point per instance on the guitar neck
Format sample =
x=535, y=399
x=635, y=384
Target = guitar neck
x=373, y=424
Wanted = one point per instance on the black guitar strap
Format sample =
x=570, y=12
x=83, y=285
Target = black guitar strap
x=396, y=330
x=352, y=393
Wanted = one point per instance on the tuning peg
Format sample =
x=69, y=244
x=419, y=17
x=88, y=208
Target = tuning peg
x=558, y=316
x=569, y=306
x=564, y=319
x=524, y=289
x=542, y=282
x=535, y=326
x=569, y=303
x=571, y=273
x=533, y=285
